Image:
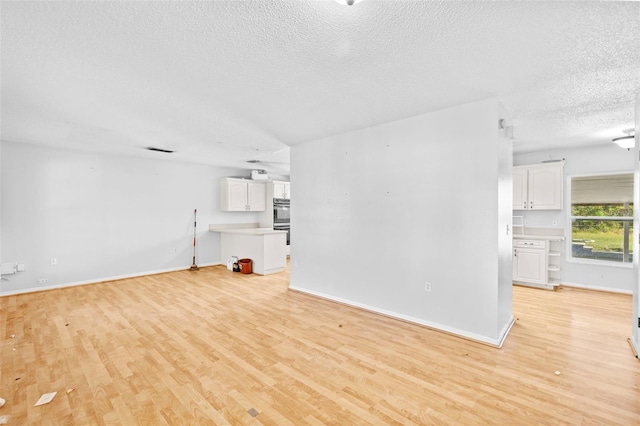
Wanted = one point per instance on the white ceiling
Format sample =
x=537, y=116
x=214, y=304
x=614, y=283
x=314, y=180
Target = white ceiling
x=223, y=82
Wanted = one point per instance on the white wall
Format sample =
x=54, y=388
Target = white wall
x=104, y=216
x=1, y=281
x=387, y=208
x=582, y=161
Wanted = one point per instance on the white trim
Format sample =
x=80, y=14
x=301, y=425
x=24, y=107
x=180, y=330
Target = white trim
x=595, y=288
x=636, y=346
x=603, y=218
x=433, y=325
x=548, y=286
x=100, y=280
x=598, y=262
x=505, y=331
x=568, y=241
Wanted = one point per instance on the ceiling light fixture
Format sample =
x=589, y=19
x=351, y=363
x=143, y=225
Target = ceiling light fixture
x=626, y=142
x=348, y=2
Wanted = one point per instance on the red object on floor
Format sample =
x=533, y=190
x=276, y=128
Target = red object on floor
x=245, y=266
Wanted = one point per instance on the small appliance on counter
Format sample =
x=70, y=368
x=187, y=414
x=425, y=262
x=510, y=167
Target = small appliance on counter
x=259, y=175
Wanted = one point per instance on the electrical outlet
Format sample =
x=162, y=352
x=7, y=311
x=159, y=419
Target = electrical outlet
x=54, y=261
x=427, y=287
x=20, y=267
x=43, y=280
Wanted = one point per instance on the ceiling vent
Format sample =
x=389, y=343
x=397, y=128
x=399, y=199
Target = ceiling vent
x=153, y=148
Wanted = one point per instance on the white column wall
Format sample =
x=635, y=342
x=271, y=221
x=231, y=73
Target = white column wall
x=635, y=320
x=1, y=305
x=104, y=216
x=505, y=239
x=582, y=161
x=380, y=211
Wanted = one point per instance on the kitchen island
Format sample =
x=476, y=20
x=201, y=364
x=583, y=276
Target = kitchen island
x=266, y=247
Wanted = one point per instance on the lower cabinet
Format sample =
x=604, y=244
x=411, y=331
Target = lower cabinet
x=537, y=262
x=530, y=262
x=265, y=247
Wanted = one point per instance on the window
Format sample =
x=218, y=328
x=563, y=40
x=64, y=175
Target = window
x=602, y=217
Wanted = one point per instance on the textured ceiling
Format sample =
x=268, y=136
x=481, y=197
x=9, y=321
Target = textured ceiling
x=223, y=82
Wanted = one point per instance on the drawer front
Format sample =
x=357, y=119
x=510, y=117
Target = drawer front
x=541, y=244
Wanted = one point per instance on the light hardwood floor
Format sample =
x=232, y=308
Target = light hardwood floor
x=214, y=347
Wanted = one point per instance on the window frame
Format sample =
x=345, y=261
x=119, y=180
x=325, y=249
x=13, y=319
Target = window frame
x=569, y=217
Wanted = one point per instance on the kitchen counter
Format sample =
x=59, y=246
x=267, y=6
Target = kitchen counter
x=249, y=231
x=538, y=237
x=266, y=247
x=531, y=233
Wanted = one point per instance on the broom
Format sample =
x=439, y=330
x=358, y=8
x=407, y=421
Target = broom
x=194, y=267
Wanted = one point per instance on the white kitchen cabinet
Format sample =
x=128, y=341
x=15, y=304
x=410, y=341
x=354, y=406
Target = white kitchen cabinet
x=538, y=187
x=530, y=262
x=281, y=190
x=537, y=260
x=242, y=195
x=519, y=188
x=265, y=247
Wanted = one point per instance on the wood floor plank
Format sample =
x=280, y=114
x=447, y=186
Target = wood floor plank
x=214, y=347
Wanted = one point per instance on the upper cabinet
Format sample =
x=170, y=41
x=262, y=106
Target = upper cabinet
x=281, y=189
x=538, y=187
x=242, y=195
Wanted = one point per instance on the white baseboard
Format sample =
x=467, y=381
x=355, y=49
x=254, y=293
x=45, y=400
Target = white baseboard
x=635, y=347
x=100, y=280
x=433, y=325
x=540, y=286
x=505, y=331
x=596, y=288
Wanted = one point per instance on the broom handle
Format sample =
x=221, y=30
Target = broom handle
x=195, y=211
